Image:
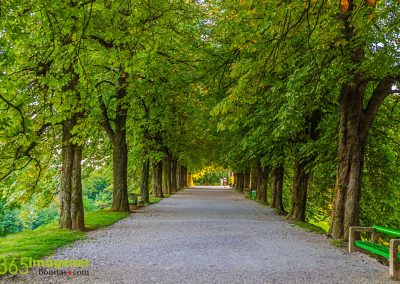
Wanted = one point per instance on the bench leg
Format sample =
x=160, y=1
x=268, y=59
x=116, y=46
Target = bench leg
x=352, y=235
x=394, y=267
x=374, y=236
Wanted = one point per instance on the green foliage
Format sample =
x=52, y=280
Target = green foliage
x=44, y=216
x=210, y=177
x=97, y=190
x=9, y=222
x=215, y=84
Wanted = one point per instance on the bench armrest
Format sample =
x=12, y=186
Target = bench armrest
x=352, y=234
x=394, y=266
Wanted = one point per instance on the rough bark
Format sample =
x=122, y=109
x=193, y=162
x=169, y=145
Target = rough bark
x=120, y=172
x=66, y=175
x=253, y=178
x=262, y=184
x=77, y=213
x=144, y=181
x=183, y=177
x=240, y=182
x=72, y=212
x=355, y=122
x=157, y=179
x=277, y=201
x=246, y=181
x=117, y=137
x=299, y=193
x=178, y=176
x=302, y=174
x=174, y=184
x=167, y=174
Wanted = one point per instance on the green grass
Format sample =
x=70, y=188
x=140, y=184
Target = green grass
x=154, y=200
x=44, y=241
x=103, y=218
x=338, y=243
x=322, y=224
x=309, y=227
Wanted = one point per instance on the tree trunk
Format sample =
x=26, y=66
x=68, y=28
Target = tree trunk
x=157, y=179
x=246, y=181
x=355, y=122
x=299, y=193
x=77, y=214
x=174, y=183
x=253, y=178
x=345, y=211
x=66, y=175
x=262, y=184
x=120, y=172
x=144, y=181
x=277, y=201
x=183, y=177
x=167, y=174
x=72, y=212
x=240, y=182
x=117, y=137
x=178, y=175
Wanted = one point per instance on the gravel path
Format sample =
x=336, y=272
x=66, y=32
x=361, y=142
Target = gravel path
x=211, y=235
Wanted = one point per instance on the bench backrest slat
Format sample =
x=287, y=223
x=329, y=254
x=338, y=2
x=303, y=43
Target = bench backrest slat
x=389, y=231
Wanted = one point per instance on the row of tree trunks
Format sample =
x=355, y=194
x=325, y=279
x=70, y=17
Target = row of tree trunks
x=239, y=181
x=157, y=179
x=167, y=163
x=174, y=183
x=168, y=176
x=303, y=169
x=178, y=176
x=256, y=179
x=246, y=181
x=72, y=213
x=277, y=190
x=253, y=179
x=184, y=177
x=144, y=180
x=262, y=184
x=299, y=193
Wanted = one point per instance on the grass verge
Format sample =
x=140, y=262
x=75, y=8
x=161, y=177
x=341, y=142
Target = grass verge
x=154, y=200
x=309, y=227
x=45, y=240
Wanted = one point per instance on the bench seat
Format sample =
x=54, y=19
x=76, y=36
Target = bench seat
x=389, y=231
x=391, y=252
x=374, y=248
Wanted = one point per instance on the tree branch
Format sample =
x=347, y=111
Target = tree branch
x=381, y=91
x=105, y=120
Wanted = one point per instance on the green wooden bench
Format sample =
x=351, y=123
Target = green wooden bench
x=390, y=253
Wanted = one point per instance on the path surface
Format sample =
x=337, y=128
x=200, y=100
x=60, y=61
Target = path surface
x=210, y=235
